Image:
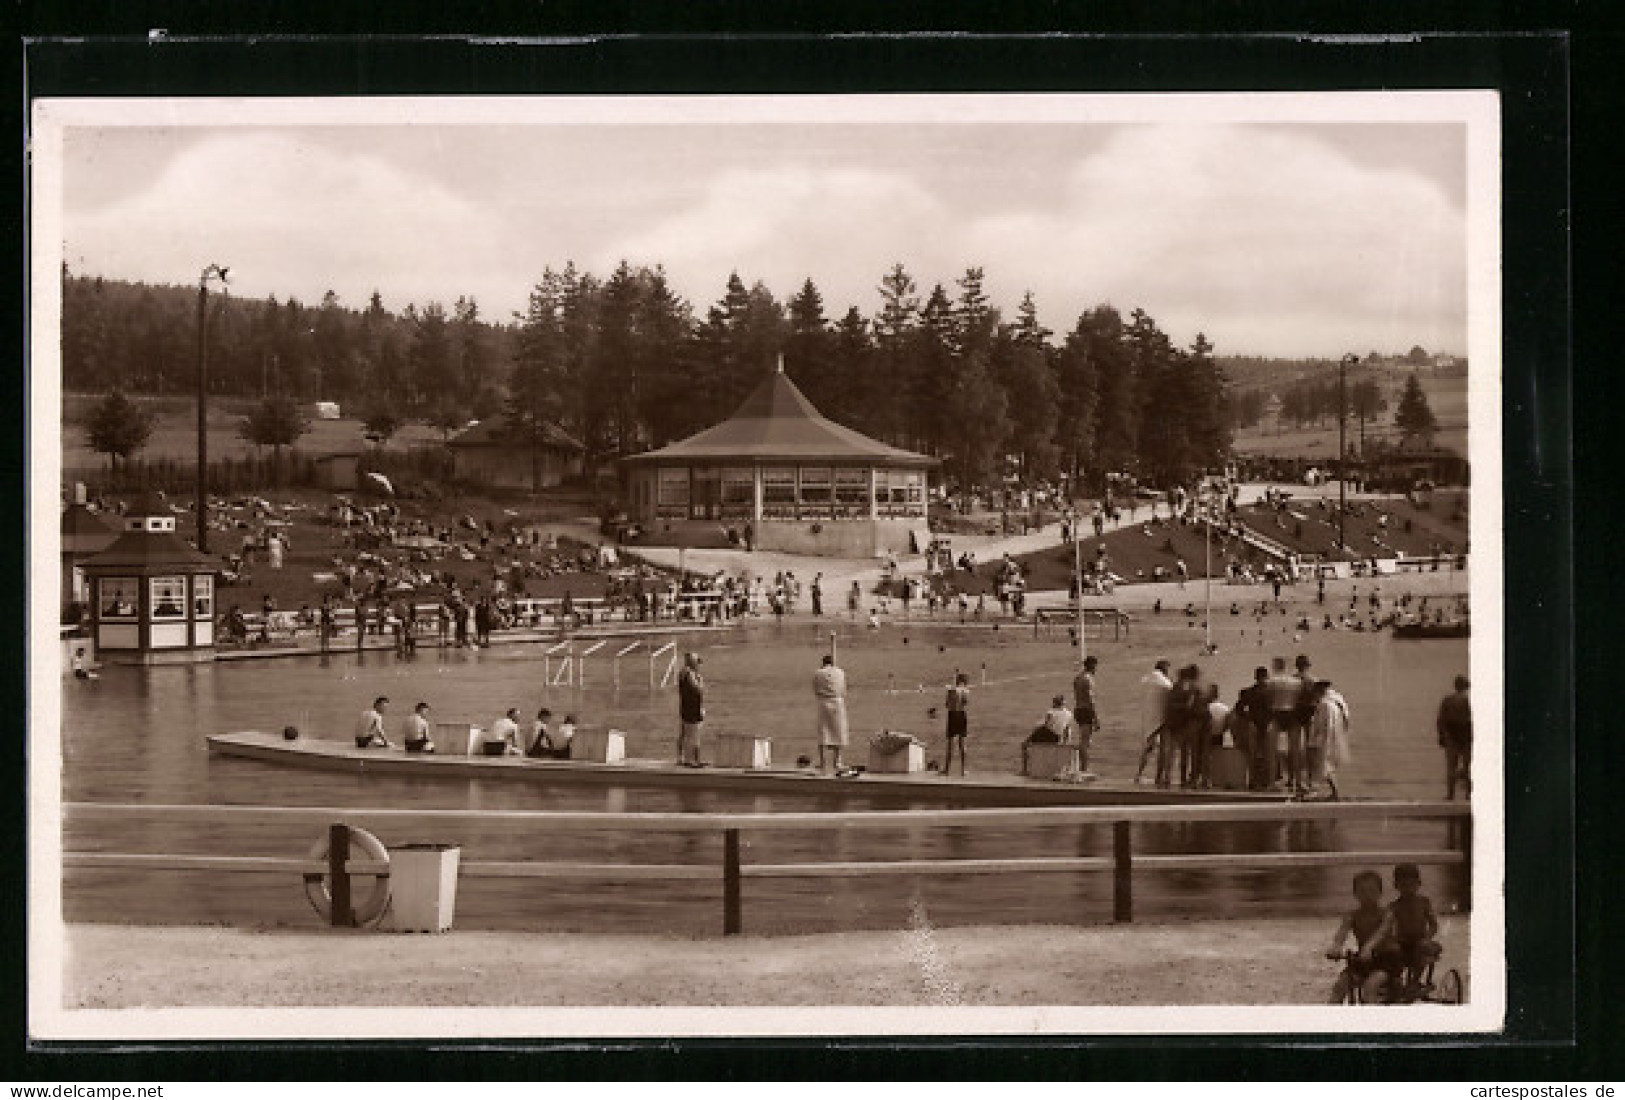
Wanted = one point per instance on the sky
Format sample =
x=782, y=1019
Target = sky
x=1273, y=238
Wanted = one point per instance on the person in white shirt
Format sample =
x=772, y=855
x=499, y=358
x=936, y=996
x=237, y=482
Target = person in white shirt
x=1155, y=687
x=503, y=737
x=415, y=732
x=369, y=731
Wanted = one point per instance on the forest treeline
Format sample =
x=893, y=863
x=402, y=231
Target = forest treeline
x=625, y=363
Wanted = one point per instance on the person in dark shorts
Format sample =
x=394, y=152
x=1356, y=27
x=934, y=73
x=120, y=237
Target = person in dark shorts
x=1253, y=708
x=1456, y=738
x=1084, y=710
x=1406, y=944
x=1363, y=922
x=958, y=706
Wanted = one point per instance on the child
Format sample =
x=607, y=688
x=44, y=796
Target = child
x=561, y=740
x=80, y=670
x=1363, y=922
x=1406, y=946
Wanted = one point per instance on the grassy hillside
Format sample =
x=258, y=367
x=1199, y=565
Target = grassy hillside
x=1446, y=394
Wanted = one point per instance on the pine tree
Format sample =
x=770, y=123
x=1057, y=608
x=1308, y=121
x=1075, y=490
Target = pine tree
x=892, y=388
x=1078, y=377
x=809, y=349
x=117, y=427
x=539, y=377
x=1414, y=417
x=1117, y=443
x=853, y=353
x=275, y=422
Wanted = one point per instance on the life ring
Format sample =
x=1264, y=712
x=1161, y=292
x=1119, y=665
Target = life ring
x=366, y=909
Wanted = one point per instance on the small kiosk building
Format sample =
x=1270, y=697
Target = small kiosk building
x=152, y=595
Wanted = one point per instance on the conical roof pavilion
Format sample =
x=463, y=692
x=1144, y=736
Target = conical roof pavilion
x=777, y=423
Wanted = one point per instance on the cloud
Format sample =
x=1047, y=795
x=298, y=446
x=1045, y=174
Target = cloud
x=1267, y=241
x=1264, y=240
x=291, y=218
x=842, y=226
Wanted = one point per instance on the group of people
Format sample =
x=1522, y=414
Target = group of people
x=501, y=738
x=829, y=693
x=1291, y=728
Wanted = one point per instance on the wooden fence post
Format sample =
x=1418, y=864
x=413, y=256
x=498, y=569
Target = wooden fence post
x=338, y=858
x=1122, y=872
x=1467, y=862
x=730, y=882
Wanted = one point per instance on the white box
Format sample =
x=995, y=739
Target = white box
x=455, y=739
x=599, y=746
x=1047, y=761
x=422, y=887
x=910, y=759
x=739, y=750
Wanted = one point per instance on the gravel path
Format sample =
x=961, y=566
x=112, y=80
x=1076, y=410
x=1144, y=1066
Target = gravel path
x=1255, y=962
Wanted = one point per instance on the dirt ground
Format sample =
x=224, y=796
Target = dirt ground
x=1257, y=962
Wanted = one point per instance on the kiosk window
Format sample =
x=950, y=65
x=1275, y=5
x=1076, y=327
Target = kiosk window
x=169, y=597
x=120, y=597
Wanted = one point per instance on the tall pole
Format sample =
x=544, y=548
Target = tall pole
x=1342, y=450
x=1077, y=581
x=213, y=271
x=1207, y=570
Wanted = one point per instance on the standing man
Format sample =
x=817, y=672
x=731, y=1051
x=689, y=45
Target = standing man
x=1084, y=711
x=1285, y=693
x=369, y=731
x=1155, y=688
x=958, y=705
x=818, y=593
x=690, y=711
x=1253, y=711
x=829, y=689
x=1328, y=736
x=1456, y=738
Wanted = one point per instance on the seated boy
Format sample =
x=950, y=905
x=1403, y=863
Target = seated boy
x=1406, y=946
x=1363, y=922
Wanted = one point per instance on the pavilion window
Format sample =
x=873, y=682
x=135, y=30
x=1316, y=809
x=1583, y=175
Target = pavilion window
x=202, y=597
x=738, y=493
x=168, y=597
x=120, y=598
x=852, y=493
x=914, y=492
x=705, y=493
x=671, y=493
x=816, y=493
x=779, y=492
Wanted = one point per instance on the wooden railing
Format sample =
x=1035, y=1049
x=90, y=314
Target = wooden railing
x=1123, y=863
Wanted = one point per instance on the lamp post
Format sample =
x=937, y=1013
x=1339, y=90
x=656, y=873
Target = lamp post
x=1077, y=585
x=1342, y=448
x=1207, y=566
x=213, y=271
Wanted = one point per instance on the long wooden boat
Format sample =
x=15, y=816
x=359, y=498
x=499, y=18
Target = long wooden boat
x=927, y=787
x=1455, y=629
